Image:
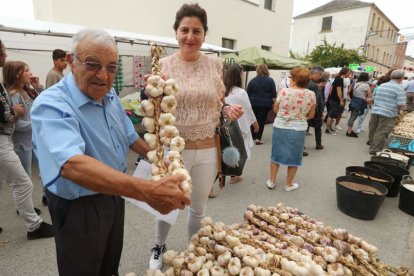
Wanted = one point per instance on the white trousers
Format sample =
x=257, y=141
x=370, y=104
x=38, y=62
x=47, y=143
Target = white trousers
x=13, y=174
x=202, y=166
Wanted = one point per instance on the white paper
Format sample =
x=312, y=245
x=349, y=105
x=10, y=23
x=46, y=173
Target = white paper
x=143, y=170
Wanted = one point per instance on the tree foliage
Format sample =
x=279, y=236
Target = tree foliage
x=329, y=55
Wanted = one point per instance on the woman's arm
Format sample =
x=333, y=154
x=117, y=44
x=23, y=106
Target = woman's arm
x=311, y=112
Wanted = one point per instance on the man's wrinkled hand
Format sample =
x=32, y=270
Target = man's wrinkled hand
x=165, y=195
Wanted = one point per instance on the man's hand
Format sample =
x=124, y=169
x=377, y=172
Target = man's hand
x=18, y=110
x=165, y=195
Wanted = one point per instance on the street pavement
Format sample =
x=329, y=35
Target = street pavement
x=391, y=231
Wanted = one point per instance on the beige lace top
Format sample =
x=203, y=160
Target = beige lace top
x=198, y=98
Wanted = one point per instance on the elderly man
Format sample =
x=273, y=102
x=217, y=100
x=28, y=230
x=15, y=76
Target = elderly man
x=81, y=136
x=12, y=171
x=388, y=99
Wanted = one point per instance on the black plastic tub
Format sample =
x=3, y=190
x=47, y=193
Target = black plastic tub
x=406, y=203
x=409, y=154
x=388, y=160
x=371, y=174
x=396, y=172
x=359, y=198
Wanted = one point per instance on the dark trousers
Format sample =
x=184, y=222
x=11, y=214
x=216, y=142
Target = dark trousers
x=261, y=114
x=89, y=233
x=316, y=123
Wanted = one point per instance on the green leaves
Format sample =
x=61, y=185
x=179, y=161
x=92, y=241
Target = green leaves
x=329, y=55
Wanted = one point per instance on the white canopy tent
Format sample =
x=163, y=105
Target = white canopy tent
x=33, y=41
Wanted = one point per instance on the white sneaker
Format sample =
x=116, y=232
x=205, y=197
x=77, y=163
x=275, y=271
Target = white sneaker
x=358, y=131
x=291, y=188
x=270, y=185
x=156, y=257
x=338, y=127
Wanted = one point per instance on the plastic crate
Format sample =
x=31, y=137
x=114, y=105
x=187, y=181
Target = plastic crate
x=400, y=142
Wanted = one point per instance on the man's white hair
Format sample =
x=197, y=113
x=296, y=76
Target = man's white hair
x=96, y=36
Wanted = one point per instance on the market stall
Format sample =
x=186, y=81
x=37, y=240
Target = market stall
x=276, y=240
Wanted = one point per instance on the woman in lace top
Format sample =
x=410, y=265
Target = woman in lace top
x=199, y=104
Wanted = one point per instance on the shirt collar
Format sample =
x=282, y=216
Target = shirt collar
x=79, y=98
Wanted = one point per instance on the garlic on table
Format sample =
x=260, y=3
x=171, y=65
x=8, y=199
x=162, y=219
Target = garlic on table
x=250, y=261
x=246, y=271
x=234, y=266
x=169, y=256
x=224, y=259
x=216, y=271
x=258, y=271
x=203, y=272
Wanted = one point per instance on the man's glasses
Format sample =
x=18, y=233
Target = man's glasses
x=96, y=67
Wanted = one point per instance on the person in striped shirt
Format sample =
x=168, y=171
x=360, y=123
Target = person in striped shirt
x=389, y=98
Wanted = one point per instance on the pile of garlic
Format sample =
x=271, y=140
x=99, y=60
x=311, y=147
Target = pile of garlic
x=405, y=126
x=162, y=136
x=275, y=241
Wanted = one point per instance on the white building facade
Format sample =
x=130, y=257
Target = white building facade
x=356, y=24
x=234, y=24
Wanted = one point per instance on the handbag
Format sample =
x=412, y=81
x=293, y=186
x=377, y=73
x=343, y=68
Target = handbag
x=231, y=152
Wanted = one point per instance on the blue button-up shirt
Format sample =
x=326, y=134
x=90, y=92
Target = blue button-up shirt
x=66, y=123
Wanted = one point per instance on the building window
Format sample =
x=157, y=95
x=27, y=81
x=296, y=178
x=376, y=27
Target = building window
x=382, y=29
x=327, y=24
x=378, y=24
x=270, y=5
x=376, y=58
x=373, y=52
x=228, y=43
x=267, y=48
x=373, y=22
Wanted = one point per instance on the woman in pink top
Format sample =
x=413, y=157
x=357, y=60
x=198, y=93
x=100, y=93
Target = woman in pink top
x=294, y=106
x=200, y=101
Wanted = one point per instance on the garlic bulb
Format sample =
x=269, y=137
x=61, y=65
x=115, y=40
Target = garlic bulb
x=149, y=124
x=151, y=140
x=203, y=272
x=166, y=119
x=169, y=256
x=168, y=104
x=246, y=271
x=152, y=156
x=234, y=266
x=170, y=87
x=167, y=133
x=177, y=144
x=153, y=91
x=147, y=108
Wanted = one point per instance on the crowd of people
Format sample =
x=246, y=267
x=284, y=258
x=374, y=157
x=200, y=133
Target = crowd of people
x=81, y=135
